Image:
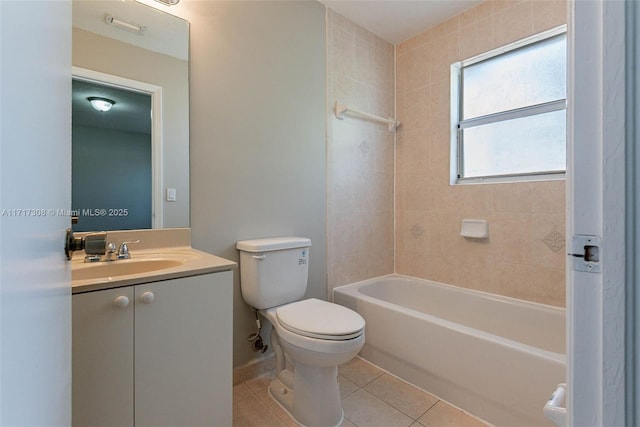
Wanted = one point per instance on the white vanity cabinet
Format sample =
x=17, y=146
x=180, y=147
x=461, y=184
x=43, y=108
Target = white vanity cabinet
x=102, y=358
x=155, y=354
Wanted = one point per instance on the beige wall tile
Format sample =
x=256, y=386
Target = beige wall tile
x=511, y=237
x=360, y=156
x=416, y=108
x=400, y=109
x=413, y=43
x=341, y=22
x=479, y=13
x=548, y=197
x=548, y=240
x=410, y=263
x=361, y=179
x=478, y=265
x=346, y=90
x=549, y=286
x=548, y=14
x=417, y=68
x=415, y=234
x=442, y=198
x=448, y=28
x=512, y=22
x=364, y=59
x=440, y=104
x=520, y=215
x=402, y=68
x=417, y=192
x=413, y=151
x=500, y=6
x=513, y=197
x=443, y=52
x=473, y=201
x=513, y=280
x=476, y=38
x=343, y=50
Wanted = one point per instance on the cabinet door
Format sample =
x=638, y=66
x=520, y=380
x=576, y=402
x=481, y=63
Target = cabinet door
x=183, y=351
x=102, y=358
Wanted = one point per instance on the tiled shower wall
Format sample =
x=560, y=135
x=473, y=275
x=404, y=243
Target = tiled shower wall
x=360, y=154
x=525, y=254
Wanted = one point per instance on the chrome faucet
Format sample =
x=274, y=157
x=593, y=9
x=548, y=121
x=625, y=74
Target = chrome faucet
x=96, y=247
x=111, y=250
x=123, y=251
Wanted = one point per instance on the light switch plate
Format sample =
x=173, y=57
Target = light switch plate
x=171, y=194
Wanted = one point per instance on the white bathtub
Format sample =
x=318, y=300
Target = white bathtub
x=498, y=358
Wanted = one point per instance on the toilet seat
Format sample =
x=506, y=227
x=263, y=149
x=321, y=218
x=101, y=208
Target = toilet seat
x=319, y=319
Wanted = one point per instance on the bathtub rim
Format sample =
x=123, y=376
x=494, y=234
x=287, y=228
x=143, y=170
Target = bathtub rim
x=488, y=295
x=352, y=290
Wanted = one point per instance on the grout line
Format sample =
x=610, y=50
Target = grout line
x=430, y=408
x=395, y=155
x=280, y=415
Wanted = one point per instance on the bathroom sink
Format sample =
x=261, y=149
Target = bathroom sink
x=121, y=268
x=160, y=255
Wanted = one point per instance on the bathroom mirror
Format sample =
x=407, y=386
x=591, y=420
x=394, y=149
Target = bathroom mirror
x=130, y=165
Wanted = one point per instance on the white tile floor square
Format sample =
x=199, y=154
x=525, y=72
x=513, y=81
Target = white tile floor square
x=370, y=398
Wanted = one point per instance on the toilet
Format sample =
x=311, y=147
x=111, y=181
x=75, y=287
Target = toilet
x=310, y=337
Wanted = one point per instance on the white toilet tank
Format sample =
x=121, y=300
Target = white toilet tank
x=273, y=271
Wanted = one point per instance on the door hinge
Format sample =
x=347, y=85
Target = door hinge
x=586, y=252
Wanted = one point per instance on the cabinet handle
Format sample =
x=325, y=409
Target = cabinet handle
x=147, y=297
x=121, y=301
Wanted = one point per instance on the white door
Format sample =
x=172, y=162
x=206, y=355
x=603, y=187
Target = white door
x=35, y=177
x=595, y=179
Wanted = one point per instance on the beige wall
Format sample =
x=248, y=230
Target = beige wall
x=360, y=154
x=257, y=133
x=524, y=255
x=110, y=56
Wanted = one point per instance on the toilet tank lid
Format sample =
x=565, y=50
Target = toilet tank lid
x=273, y=244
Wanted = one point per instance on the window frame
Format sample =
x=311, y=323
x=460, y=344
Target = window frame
x=458, y=125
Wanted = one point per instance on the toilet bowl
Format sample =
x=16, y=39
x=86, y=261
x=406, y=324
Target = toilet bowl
x=310, y=337
x=306, y=383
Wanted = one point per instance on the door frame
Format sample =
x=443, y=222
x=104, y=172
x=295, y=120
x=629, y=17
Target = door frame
x=596, y=206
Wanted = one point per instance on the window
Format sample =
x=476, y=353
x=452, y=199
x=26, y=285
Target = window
x=510, y=111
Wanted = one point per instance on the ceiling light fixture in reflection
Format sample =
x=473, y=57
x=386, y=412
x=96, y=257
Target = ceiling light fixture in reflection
x=101, y=104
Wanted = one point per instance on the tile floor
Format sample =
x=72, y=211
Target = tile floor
x=370, y=398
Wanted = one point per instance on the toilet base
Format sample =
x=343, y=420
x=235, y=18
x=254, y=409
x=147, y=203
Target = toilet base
x=314, y=400
x=306, y=383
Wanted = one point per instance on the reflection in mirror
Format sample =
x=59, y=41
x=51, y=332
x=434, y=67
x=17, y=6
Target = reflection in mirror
x=111, y=151
x=155, y=59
